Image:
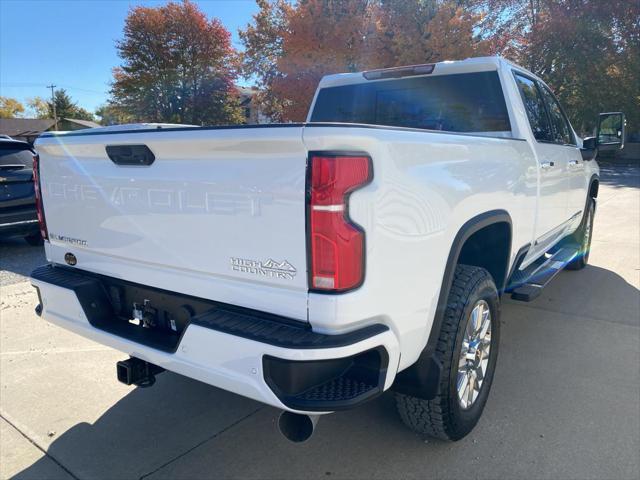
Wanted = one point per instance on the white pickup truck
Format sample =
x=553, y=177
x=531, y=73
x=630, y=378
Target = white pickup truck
x=313, y=266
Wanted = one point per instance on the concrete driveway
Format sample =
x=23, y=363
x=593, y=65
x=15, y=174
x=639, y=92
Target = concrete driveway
x=565, y=401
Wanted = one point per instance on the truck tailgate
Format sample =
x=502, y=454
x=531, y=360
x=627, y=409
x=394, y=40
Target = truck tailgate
x=219, y=214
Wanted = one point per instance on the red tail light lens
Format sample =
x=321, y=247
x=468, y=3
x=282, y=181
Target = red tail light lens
x=336, y=244
x=38, y=192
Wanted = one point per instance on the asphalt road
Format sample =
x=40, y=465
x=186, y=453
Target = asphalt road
x=565, y=401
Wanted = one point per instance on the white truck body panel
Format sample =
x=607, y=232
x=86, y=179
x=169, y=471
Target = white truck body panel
x=409, y=208
x=419, y=198
x=221, y=215
x=235, y=364
x=212, y=196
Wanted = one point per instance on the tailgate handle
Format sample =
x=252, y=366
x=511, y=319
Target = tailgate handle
x=130, y=154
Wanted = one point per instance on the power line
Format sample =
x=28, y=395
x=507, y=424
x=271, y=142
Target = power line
x=68, y=87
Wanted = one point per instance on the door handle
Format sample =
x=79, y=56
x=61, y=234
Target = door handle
x=574, y=163
x=547, y=165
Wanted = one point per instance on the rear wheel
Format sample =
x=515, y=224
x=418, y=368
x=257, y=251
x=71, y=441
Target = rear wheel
x=582, y=237
x=467, y=349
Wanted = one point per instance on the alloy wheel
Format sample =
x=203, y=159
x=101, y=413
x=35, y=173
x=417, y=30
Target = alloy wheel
x=474, y=354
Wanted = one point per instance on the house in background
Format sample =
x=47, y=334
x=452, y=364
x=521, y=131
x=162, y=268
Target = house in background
x=70, y=124
x=252, y=113
x=28, y=129
x=25, y=129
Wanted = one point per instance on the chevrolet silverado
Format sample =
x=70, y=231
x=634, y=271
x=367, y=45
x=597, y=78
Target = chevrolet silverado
x=312, y=266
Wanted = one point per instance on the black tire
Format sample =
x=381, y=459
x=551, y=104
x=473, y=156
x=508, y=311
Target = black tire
x=444, y=417
x=35, y=240
x=582, y=237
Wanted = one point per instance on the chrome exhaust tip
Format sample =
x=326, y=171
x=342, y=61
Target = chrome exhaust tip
x=296, y=427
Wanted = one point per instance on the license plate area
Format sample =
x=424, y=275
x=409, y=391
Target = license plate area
x=149, y=316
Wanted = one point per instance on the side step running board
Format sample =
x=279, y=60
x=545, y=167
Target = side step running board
x=528, y=284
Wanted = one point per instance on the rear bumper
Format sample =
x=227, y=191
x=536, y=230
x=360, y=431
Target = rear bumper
x=287, y=366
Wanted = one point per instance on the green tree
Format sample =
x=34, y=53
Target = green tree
x=113, y=115
x=177, y=66
x=10, y=107
x=65, y=107
x=82, y=114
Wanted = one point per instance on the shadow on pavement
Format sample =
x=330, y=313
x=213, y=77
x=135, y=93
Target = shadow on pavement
x=593, y=292
x=142, y=433
x=145, y=429
x=620, y=175
x=18, y=259
x=170, y=429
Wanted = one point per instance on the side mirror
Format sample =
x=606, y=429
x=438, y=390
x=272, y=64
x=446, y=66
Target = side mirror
x=589, y=148
x=610, y=133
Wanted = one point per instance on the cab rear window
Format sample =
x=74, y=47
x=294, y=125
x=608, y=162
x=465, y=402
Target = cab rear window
x=469, y=102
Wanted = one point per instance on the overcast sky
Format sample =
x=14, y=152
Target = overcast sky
x=70, y=43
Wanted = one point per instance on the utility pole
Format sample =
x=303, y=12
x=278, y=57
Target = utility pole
x=53, y=102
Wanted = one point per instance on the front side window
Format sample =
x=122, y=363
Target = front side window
x=467, y=102
x=561, y=131
x=534, y=105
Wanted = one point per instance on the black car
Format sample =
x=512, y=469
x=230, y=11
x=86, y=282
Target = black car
x=17, y=197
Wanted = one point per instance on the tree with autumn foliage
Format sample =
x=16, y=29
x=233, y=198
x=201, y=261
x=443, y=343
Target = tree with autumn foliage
x=39, y=107
x=321, y=37
x=290, y=46
x=177, y=66
x=588, y=51
x=263, y=47
x=10, y=107
x=425, y=31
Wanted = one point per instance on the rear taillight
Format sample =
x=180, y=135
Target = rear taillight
x=336, y=244
x=38, y=192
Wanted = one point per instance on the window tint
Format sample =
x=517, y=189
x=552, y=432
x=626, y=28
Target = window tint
x=561, y=131
x=470, y=102
x=534, y=105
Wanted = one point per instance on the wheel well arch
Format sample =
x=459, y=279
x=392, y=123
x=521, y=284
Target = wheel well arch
x=422, y=378
x=469, y=238
x=489, y=248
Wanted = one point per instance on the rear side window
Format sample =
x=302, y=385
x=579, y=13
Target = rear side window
x=561, y=131
x=469, y=102
x=534, y=105
x=10, y=155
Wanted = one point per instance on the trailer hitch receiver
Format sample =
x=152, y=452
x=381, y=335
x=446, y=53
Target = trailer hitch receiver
x=137, y=372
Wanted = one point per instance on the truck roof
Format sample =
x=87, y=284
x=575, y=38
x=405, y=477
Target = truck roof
x=448, y=67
